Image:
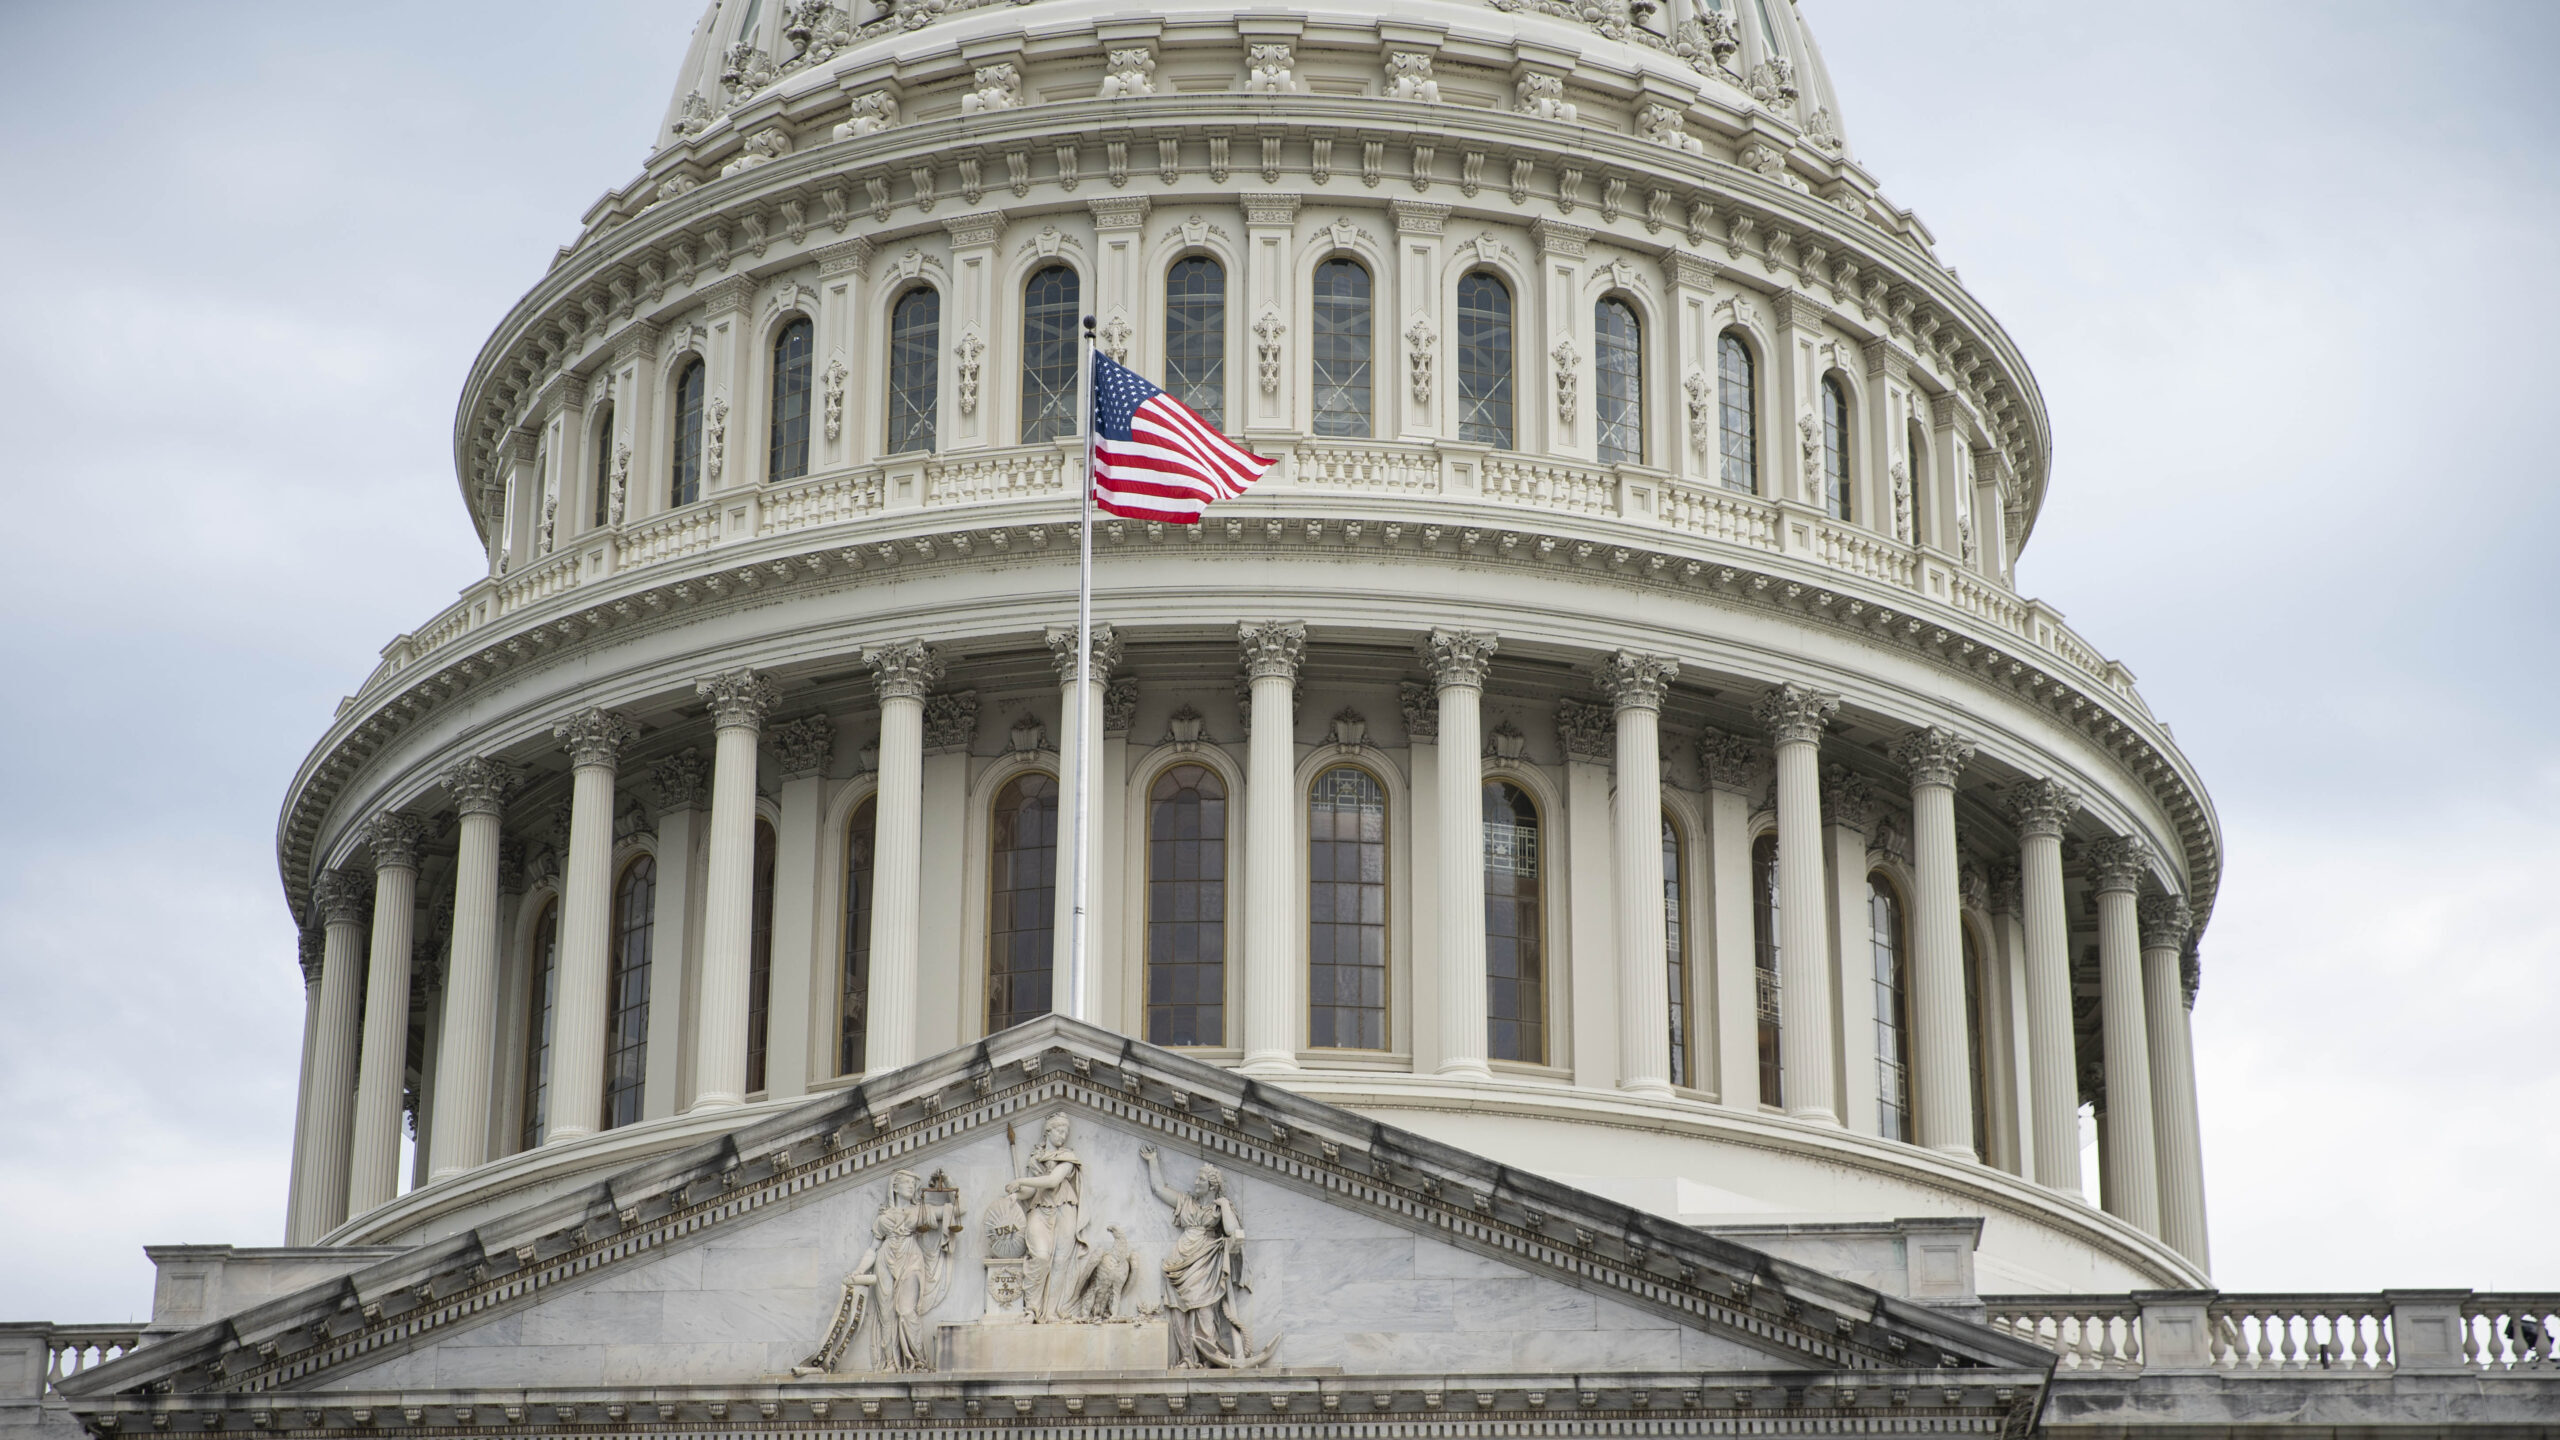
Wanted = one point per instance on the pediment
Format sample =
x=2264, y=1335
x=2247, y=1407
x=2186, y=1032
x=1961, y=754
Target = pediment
x=1365, y=1254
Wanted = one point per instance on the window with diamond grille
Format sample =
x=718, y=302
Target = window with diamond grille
x=1049, y=370
x=1617, y=400
x=915, y=376
x=1514, y=926
x=1764, y=963
x=1893, y=1014
x=1347, y=911
x=686, y=484
x=1339, y=349
x=853, y=1002
x=1187, y=907
x=1835, y=447
x=1737, y=433
x=788, y=454
x=1022, y=864
x=1195, y=336
x=1484, y=360
x=626, y=1037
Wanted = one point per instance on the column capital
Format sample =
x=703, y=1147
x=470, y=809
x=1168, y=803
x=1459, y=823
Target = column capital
x=1421, y=706
x=2043, y=807
x=1793, y=714
x=683, y=780
x=950, y=721
x=1119, y=705
x=311, y=945
x=1973, y=887
x=1272, y=649
x=2165, y=921
x=1106, y=652
x=595, y=736
x=1637, y=682
x=2119, y=863
x=1847, y=799
x=1728, y=760
x=395, y=838
x=739, y=699
x=1932, y=756
x=510, y=865
x=1585, y=728
x=1417, y=217
x=1459, y=657
x=479, y=785
x=803, y=747
x=341, y=897
x=2008, y=890
x=905, y=670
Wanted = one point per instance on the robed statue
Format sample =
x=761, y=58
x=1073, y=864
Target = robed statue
x=1204, y=1274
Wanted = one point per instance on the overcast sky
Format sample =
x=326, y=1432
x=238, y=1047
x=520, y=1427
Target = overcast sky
x=2284, y=270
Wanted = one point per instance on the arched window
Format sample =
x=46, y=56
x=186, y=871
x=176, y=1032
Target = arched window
x=1347, y=911
x=788, y=458
x=626, y=1035
x=1764, y=963
x=1674, y=952
x=1049, y=372
x=1916, y=461
x=1484, y=360
x=1514, y=926
x=686, y=484
x=1022, y=866
x=760, y=959
x=853, y=998
x=604, y=468
x=1977, y=1024
x=1893, y=1009
x=1737, y=433
x=1195, y=336
x=1187, y=907
x=540, y=994
x=1835, y=447
x=915, y=375
x=1617, y=353
x=1340, y=349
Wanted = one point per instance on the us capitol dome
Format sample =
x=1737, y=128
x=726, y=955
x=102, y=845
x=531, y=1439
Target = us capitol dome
x=1597, y=818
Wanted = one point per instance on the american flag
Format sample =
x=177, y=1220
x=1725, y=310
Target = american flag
x=1153, y=457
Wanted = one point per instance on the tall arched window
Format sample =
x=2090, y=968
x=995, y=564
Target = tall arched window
x=1339, y=350
x=1347, y=911
x=853, y=996
x=1737, y=432
x=788, y=456
x=1764, y=963
x=604, y=468
x=1977, y=1025
x=1835, y=447
x=685, y=485
x=1916, y=459
x=760, y=959
x=1022, y=866
x=1049, y=372
x=1187, y=907
x=1514, y=926
x=626, y=1035
x=915, y=375
x=1617, y=355
x=1674, y=951
x=1484, y=360
x=1195, y=336
x=540, y=995
x=1893, y=1009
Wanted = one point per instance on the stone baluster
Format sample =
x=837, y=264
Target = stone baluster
x=903, y=673
x=2132, y=1158
x=1272, y=652
x=340, y=901
x=575, y=1107
x=738, y=700
x=1943, y=1074
x=2165, y=926
x=1636, y=684
x=1458, y=661
x=1078, y=716
x=1795, y=719
x=461, y=1136
x=373, y=1167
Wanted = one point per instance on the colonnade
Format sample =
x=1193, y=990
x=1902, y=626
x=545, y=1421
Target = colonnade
x=348, y=1140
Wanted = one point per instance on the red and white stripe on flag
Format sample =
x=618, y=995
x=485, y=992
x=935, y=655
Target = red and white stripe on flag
x=1172, y=466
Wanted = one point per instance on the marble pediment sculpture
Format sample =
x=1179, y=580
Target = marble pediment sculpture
x=1059, y=1222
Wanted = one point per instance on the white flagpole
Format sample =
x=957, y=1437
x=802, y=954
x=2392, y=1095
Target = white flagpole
x=1080, y=881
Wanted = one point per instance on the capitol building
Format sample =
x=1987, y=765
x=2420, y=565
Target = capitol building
x=1612, y=914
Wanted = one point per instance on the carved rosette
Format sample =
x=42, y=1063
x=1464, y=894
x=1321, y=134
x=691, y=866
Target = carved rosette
x=904, y=671
x=1107, y=651
x=395, y=838
x=478, y=786
x=1794, y=715
x=1637, y=682
x=1272, y=649
x=1932, y=756
x=738, y=699
x=2119, y=863
x=1847, y=800
x=1459, y=657
x=951, y=721
x=2165, y=921
x=595, y=736
x=1727, y=760
x=1421, y=706
x=803, y=747
x=1120, y=705
x=2043, y=807
x=1586, y=729
x=683, y=780
x=342, y=897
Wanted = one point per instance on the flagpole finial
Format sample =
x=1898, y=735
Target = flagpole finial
x=1088, y=327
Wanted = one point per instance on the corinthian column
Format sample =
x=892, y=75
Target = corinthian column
x=904, y=673
x=2133, y=1164
x=2165, y=924
x=373, y=1171
x=739, y=700
x=2042, y=808
x=1078, y=716
x=576, y=1084
x=339, y=900
x=1459, y=661
x=1272, y=650
x=1795, y=719
x=1935, y=759
x=460, y=1139
x=1637, y=683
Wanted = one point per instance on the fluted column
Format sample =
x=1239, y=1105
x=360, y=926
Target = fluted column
x=2133, y=1162
x=903, y=672
x=2042, y=808
x=340, y=900
x=373, y=1167
x=1795, y=719
x=2165, y=924
x=310, y=943
x=1078, y=716
x=460, y=1139
x=1272, y=651
x=1635, y=684
x=1459, y=661
x=738, y=700
x=1729, y=763
x=1943, y=1086
x=575, y=1106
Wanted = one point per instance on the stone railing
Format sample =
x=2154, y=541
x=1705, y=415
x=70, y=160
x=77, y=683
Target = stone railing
x=2176, y=1331
x=2094, y=1332
x=2508, y=1332
x=34, y=1358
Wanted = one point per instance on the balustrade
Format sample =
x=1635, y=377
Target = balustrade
x=2274, y=1334
x=70, y=1349
x=540, y=580
x=1547, y=485
x=2510, y=1332
x=829, y=500
x=1033, y=474
x=1728, y=517
x=671, y=536
x=2100, y=1332
x=1413, y=471
x=2299, y=1332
